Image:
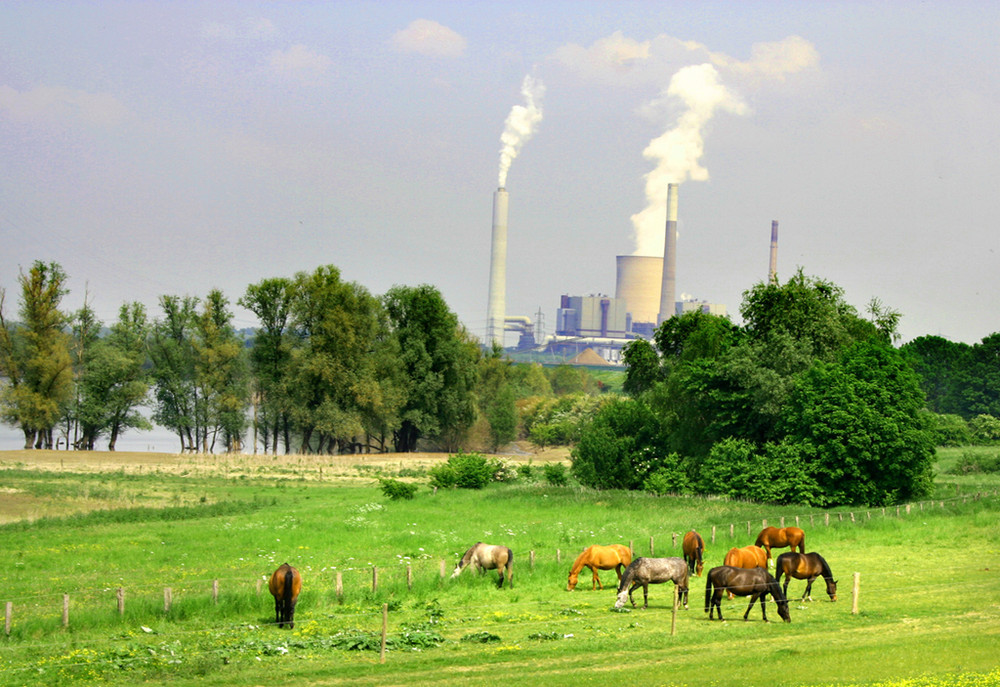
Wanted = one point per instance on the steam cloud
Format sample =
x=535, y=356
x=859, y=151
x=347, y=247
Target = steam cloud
x=677, y=152
x=520, y=124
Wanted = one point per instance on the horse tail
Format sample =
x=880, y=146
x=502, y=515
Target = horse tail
x=708, y=592
x=286, y=597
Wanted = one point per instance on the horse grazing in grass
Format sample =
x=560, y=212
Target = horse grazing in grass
x=596, y=557
x=646, y=571
x=285, y=585
x=780, y=538
x=746, y=557
x=756, y=583
x=694, y=547
x=805, y=566
x=482, y=557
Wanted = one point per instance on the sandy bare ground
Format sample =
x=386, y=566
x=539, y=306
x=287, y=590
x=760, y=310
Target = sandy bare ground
x=262, y=465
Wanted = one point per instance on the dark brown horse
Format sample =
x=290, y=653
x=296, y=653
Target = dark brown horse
x=805, y=566
x=746, y=557
x=694, y=548
x=614, y=557
x=285, y=585
x=780, y=538
x=756, y=583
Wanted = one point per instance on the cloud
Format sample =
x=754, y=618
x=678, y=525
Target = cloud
x=429, y=38
x=56, y=103
x=772, y=60
x=299, y=62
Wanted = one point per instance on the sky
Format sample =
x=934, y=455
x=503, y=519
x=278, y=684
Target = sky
x=156, y=148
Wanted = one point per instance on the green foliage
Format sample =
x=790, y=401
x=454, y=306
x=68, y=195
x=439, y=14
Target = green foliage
x=503, y=470
x=482, y=637
x=972, y=463
x=949, y=430
x=555, y=474
x=776, y=474
x=670, y=477
x=502, y=416
x=643, y=366
x=396, y=490
x=985, y=429
x=462, y=470
x=620, y=447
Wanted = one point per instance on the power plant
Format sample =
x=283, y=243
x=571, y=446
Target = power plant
x=645, y=296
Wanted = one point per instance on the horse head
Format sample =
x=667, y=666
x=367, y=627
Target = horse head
x=622, y=596
x=571, y=583
x=831, y=588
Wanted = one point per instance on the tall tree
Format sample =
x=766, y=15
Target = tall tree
x=439, y=359
x=115, y=382
x=939, y=363
x=171, y=350
x=35, y=356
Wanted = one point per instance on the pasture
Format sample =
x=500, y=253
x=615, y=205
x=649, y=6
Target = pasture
x=87, y=525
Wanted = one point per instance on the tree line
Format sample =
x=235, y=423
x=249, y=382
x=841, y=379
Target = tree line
x=331, y=368
x=806, y=402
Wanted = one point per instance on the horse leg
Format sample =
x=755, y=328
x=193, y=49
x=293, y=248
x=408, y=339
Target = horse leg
x=753, y=600
x=785, y=588
x=597, y=578
x=632, y=589
x=291, y=614
x=618, y=571
x=277, y=611
x=808, y=593
x=645, y=596
x=717, y=602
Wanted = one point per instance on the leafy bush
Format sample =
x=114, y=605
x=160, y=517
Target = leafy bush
x=669, y=478
x=985, y=429
x=483, y=637
x=396, y=490
x=619, y=448
x=774, y=474
x=970, y=463
x=503, y=470
x=463, y=470
x=555, y=474
x=949, y=430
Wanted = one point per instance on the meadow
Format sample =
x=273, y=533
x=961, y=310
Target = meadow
x=87, y=525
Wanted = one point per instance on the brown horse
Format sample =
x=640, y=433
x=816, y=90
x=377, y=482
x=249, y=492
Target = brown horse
x=285, y=585
x=598, y=557
x=805, y=566
x=780, y=538
x=482, y=557
x=694, y=547
x=756, y=583
x=746, y=557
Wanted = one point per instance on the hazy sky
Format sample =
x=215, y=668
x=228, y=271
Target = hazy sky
x=174, y=147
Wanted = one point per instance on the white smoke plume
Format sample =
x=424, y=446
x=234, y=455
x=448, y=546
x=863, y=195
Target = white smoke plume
x=678, y=151
x=520, y=124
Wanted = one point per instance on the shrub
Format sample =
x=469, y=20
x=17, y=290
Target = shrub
x=396, y=490
x=949, y=430
x=985, y=429
x=463, y=470
x=669, y=478
x=555, y=474
x=503, y=470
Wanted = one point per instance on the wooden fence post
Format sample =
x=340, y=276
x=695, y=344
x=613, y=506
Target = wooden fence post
x=674, y=539
x=631, y=549
x=782, y=522
x=444, y=564
x=748, y=528
x=7, y=616
x=531, y=557
x=731, y=531
x=374, y=579
x=259, y=583
x=763, y=524
x=385, y=627
x=826, y=519
x=340, y=587
x=796, y=521
x=121, y=601
x=168, y=599
x=713, y=534
x=65, y=610
x=215, y=591
x=409, y=576
x=856, y=592
x=651, y=546
x=558, y=556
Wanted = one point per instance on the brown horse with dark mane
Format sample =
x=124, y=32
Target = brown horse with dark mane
x=780, y=538
x=694, y=548
x=285, y=585
x=805, y=566
x=614, y=557
x=756, y=583
x=746, y=557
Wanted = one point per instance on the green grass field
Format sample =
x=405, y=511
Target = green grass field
x=929, y=602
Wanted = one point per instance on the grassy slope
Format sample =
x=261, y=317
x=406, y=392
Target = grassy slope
x=929, y=579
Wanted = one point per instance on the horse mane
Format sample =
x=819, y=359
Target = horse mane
x=578, y=563
x=824, y=568
x=628, y=575
x=468, y=554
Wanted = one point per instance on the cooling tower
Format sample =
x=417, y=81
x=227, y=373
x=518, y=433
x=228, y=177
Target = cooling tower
x=496, y=308
x=638, y=284
x=668, y=301
x=772, y=271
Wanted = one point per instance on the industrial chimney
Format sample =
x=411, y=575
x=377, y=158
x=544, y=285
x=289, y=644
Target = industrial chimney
x=772, y=272
x=667, y=288
x=496, y=309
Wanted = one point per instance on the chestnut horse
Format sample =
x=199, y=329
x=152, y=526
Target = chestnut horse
x=746, y=557
x=646, y=571
x=805, y=566
x=482, y=557
x=694, y=547
x=285, y=585
x=780, y=538
x=598, y=557
x=756, y=583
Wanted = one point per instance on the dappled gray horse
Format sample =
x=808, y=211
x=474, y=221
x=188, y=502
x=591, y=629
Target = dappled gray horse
x=647, y=571
x=482, y=557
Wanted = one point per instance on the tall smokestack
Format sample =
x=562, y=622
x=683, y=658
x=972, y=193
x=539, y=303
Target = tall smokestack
x=772, y=272
x=496, y=309
x=667, y=287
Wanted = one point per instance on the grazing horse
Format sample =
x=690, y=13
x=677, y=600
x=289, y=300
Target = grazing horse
x=805, y=566
x=285, y=585
x=482, y=557
x=646, y=571
x=598, y=557
x=756, y=583
x=746, y=557
x=694, y=547
x=780, y=538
